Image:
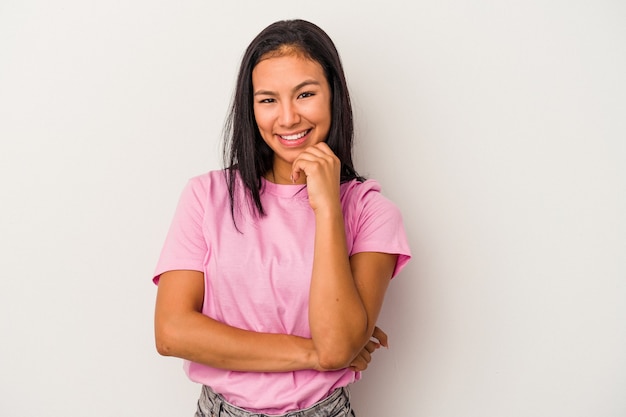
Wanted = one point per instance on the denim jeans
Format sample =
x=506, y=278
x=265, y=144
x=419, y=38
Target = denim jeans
x=337, y=404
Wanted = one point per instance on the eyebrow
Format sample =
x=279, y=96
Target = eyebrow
x=296, y=88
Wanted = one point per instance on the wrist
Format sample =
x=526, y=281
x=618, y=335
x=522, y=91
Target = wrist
x=328, y=211
x=310, y=357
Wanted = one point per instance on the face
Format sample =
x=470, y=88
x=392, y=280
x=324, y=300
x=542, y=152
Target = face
x=291, y=107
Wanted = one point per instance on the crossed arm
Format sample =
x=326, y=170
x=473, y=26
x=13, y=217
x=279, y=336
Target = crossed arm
x=346, y=296
x=181, y=330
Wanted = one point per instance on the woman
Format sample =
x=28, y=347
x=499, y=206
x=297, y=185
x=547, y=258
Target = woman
x=274, y=270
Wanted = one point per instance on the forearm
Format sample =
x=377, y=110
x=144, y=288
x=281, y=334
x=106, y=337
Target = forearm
x=198, y=338
x=337, y=316
x=181, y=330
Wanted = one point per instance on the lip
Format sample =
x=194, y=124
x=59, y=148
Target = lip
x=294, y=142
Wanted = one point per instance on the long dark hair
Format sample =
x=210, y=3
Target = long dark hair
x=245, y=151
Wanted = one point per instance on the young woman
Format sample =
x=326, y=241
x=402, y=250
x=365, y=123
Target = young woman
x=274, y=270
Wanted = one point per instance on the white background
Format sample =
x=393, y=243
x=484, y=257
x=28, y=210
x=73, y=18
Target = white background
x=498, y=127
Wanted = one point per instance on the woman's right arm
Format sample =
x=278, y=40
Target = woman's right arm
x=181, y=330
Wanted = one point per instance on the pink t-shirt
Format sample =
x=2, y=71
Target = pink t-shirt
x=259, y=279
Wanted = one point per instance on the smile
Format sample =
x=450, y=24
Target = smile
x=295, y=136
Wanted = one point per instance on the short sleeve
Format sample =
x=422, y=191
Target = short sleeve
x=185, y=246
x=377, y=225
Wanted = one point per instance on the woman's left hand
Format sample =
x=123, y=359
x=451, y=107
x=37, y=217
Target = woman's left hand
x=322, y=169
x=362, y=360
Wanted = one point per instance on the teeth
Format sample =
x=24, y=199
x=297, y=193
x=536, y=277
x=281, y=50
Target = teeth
x=295, y=137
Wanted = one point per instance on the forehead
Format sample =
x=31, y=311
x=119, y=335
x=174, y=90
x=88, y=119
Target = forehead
x=287, y=69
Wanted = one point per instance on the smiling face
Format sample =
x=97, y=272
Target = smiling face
x=292, y=107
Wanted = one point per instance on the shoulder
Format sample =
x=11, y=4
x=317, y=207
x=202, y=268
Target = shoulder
x=365, y=207
x=367, y=195
x=356, y=187
x=373, y=222
x=200, y=190
x=207, y=183
x=215, y=178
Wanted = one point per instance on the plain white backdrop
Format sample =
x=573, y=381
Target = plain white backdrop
x=498, y=127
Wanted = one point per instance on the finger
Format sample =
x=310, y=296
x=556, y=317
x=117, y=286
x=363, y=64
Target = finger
x=356, y=364
x=381, y=336
x=301, y=162
x=323, y=147
x=319, y=150
x=300, y=166
x=371, y=346
x=359, y=364
x=315, y=157
x=358, y=367
x=311, y=160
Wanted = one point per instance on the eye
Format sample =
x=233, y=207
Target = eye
x=267, y=100
x=306, y=94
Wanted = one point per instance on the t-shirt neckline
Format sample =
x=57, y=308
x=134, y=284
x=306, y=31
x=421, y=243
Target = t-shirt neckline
x=284, y=190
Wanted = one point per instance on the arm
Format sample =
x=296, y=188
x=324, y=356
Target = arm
x=344, y=307
x=182, y=330
x=346, y=292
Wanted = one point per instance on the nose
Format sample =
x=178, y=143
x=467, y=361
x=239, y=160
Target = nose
x=289, y=115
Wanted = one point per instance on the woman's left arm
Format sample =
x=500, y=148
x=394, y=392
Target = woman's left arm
x=346, y=293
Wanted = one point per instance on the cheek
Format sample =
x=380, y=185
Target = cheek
x=319, y=114
x=326, y=112
x=261, y=118
x=324, y=117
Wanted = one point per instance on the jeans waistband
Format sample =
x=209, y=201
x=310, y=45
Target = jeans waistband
x=212, y=404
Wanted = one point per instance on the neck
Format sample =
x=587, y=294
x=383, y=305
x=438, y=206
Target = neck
x=282, y=175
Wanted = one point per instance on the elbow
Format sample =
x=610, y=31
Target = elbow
x=163, y=348
x=333, y=359
x=164, y=341
x=338, y=352
x=332, y=363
